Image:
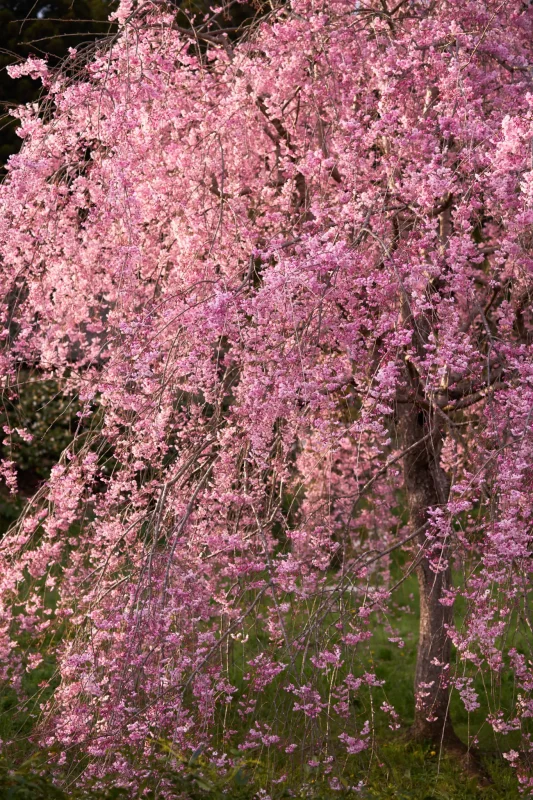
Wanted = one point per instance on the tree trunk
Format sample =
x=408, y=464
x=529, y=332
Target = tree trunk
x=426, y=487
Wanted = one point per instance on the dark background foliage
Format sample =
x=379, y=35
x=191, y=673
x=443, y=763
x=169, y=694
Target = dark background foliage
x=44, y=29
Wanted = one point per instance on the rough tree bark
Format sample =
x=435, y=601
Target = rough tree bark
x=426, y=487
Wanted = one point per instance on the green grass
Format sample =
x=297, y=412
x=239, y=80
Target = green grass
x=393, y=768
x=399, y=771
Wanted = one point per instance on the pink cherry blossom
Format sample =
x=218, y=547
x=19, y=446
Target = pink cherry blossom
x=288, y=279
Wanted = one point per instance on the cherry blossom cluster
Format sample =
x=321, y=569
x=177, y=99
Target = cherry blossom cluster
x=246, y=260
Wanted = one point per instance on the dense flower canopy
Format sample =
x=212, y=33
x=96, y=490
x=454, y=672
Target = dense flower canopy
x=259, y=265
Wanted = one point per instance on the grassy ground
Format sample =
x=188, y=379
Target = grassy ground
x=394, y=767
